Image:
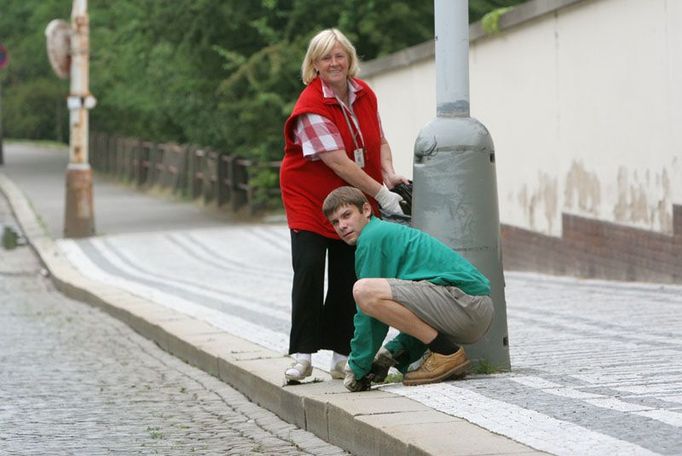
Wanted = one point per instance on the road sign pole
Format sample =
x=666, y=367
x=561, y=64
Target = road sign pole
x=79, y=217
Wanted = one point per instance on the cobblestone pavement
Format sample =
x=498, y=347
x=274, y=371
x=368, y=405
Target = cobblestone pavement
x=75, y=381
x=597, y=366
x=597, y=369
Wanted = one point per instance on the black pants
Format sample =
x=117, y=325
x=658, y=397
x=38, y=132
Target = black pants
x=319, y=322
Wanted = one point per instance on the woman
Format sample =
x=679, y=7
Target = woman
x=332, y=138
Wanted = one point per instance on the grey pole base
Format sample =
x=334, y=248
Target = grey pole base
x=455, y=200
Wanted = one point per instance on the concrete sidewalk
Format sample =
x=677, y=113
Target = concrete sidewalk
x=597, y=366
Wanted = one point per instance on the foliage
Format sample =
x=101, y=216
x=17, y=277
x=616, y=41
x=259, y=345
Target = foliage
x=217, y=73
x=33, y=100
x=35, y=110
x=9, y=237
x=485, y=367
x=479, y=8
x=394, y=378
x=491, y=21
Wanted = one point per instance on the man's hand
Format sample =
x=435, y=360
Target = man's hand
x=389, y=201
x=354, y=385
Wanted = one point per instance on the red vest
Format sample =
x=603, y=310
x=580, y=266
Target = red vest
x=305, y=183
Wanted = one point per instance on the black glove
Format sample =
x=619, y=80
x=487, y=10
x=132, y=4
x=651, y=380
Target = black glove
x=405, y=191
x=355, y=385
x=383, y=361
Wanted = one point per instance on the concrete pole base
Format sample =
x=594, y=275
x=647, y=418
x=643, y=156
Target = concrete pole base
x=79, y=218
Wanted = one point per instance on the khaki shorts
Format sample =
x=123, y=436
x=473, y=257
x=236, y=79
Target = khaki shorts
x=447, y=309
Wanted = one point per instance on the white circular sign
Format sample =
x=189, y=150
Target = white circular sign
x=58, y=33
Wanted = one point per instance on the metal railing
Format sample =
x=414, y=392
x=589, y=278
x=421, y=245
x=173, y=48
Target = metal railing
x=186, y=170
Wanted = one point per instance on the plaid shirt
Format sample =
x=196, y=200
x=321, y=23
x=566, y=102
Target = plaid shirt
x=316, y=134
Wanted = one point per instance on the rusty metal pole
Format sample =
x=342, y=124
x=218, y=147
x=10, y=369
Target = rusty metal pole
x=79, y=219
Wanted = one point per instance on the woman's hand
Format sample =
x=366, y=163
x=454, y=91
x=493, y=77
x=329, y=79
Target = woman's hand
x=389, y=201
x=393, y=179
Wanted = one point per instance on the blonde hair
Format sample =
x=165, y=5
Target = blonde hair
x=321, y=44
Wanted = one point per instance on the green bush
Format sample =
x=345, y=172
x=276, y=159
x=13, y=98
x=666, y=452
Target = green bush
x=36, y=110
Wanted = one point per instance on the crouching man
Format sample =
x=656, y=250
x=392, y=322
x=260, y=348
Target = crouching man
x=411, y=281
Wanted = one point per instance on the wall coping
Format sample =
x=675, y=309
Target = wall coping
x=520, y=14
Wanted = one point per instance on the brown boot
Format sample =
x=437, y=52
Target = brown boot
x=437, y=368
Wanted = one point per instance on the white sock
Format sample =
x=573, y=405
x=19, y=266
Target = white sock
x=302, y=357
x=336, y=358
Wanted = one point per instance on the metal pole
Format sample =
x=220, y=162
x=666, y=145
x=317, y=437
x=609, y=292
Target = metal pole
x=79, y=213
x=455, y=189
x=452, y=58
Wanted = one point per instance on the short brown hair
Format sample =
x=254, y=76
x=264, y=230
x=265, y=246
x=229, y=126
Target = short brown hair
x=343, y=196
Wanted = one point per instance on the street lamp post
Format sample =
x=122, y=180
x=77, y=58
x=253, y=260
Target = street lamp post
x=79, y=213
x=455, y=190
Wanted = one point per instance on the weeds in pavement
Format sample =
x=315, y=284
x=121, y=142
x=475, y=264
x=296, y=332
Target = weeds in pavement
x=394, y=378
x=484, y=367
x=9, y=238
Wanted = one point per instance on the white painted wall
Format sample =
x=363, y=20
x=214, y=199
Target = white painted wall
x=584, y=105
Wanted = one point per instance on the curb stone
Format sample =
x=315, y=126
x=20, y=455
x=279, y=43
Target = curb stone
x=368, y=423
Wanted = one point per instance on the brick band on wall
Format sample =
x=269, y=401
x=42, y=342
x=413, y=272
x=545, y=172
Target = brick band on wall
x=597, y=249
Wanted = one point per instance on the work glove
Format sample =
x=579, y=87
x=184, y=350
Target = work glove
x=405, y=191
x=383, y=361
x=389, y=201
x=352, y=384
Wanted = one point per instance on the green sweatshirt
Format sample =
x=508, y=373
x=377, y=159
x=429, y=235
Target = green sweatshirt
x=391, y=251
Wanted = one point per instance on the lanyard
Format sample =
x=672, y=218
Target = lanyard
x=352, y=131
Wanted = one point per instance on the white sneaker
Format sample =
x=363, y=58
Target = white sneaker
x=338, y=364
x=299, y=369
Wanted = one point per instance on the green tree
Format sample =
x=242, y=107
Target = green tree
x=479, y=8
x=33, y=98
x=217, y=73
